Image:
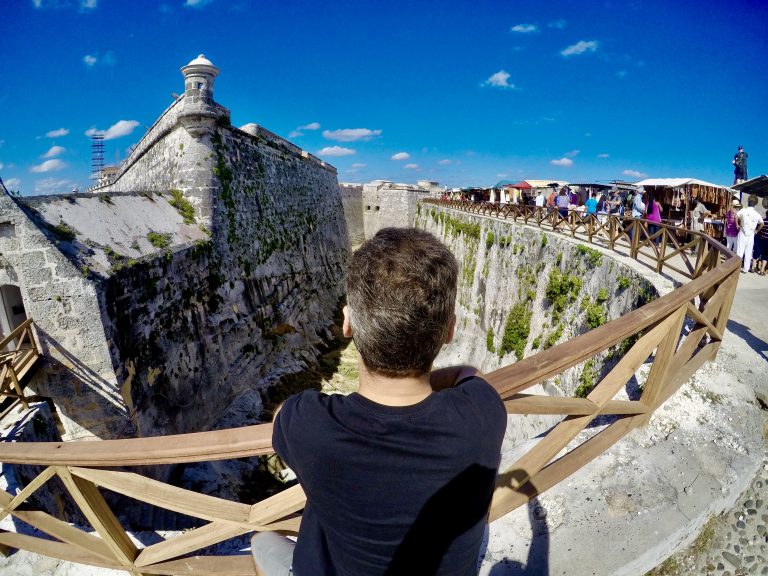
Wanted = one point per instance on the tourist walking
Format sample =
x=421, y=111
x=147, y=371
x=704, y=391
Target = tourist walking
x=761, y=247
x=740, y=166
x=540, y=200
x=563, y=201
x=591, y=204
x=638, y=206
x=732, y=225
x=750, y=222
x=653, y=214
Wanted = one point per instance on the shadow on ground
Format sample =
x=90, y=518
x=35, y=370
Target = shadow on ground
x=744, y=332
x=537, y=562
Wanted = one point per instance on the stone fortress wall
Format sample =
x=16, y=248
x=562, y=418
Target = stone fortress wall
x=78, y=369
x=352, y=200
x=211, y=266
x=510, y=276
x=388, y=204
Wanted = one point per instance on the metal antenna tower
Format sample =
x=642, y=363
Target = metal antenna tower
x=97, y=155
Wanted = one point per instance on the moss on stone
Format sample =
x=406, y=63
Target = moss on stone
x=182, y=205
x=516, y=330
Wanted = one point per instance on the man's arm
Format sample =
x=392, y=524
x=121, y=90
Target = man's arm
x=450, y=376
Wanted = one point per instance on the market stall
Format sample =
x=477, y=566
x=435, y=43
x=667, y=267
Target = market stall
x=678, y=197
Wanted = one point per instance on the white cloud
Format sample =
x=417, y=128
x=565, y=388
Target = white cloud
x=117, y=130
x=621, y=74
x=196, y=3
x=52, y=186
x=2, y=165
x=444, y=162
x=524, y=28
x=335, y=151
x=559, y=24
x=351, y=134
x=565, y=162
x=603, y=155
x=57, y=133
x=54, y=151
x=57, y=4
x=411, y=166
x=13, y=183
x=107, y=59
x=499, y=80
x=588, y=134
x=300, y=130
x=401, y=156
x=581, y=47
x=572, y=153
x=634, y=173
x=49, y=166
x=359, y=165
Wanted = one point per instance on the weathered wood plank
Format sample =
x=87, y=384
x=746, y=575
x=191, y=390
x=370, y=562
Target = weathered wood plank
x=190, y=541
x=166, y=496
x=537, y=404
x=54, y=550
x=60, y=529
x=205, y=566
x=102, y=519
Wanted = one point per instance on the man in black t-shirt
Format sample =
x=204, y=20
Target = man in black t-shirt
x=398, y=475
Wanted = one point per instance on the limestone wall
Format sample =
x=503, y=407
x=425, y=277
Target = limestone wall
x=386, y=206
x=506, y=272
x=352, y=200
x=62, y=301
x=196, y=333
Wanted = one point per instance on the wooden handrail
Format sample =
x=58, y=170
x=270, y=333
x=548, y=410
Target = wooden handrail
x=18, y=331
x=705, y=299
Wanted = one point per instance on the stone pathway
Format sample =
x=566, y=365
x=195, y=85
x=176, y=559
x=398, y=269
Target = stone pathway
x=732, y=544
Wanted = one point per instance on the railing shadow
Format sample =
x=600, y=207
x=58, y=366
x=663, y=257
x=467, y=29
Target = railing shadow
x=757, y=344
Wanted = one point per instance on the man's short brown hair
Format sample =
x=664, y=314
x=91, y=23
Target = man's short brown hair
x=401, y=291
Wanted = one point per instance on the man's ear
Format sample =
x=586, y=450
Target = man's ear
x=451, y=330
x=346, y=329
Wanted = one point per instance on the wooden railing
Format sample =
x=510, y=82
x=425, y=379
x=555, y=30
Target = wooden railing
x=677, y=353
x=19, y=352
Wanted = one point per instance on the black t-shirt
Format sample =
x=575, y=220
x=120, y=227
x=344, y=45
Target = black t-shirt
x=392, y=491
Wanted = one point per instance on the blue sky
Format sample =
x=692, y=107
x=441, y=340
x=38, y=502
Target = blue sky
x=466, y=93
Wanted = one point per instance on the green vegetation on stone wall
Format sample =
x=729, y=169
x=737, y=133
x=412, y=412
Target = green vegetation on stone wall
x=489, y=344
x=64, y=231
x=553, y=337
x=516, y=330
x=623, y=282
x=586, y=379
x=562, y=289
x=591, y=255
x=159, y=240
x=454, y=227
x=183, y=206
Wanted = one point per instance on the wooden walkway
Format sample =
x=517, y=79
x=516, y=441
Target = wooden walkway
x=654, y=331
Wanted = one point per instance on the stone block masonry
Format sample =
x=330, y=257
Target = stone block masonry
x=198, y=332
x=208, y=268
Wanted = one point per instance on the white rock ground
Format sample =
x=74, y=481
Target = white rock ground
x=702, y=456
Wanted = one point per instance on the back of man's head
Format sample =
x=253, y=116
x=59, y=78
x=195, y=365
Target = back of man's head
x=401, y=291
x=752, y=201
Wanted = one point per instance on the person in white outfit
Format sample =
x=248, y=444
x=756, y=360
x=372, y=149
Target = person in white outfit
x=750, y=222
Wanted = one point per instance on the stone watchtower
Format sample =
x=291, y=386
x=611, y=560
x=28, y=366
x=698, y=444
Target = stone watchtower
x=199, y=112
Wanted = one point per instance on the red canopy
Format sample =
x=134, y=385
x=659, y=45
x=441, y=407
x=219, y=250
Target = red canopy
x=522, y=185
